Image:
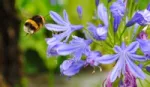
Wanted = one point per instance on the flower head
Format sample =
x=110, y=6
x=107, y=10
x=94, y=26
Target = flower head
x=64, y=26
x=99, y=33
x=118, y=11
x=96, y=2
x=148, y=68
x=102, y=14
x=145, y=46
x=79, y=10
x=91, y=58
x=71, y=67
x=52, y=49
x=76, y=47
x=124, y=56
x=140, y=17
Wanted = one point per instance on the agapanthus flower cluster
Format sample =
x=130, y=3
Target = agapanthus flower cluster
x=120, y=42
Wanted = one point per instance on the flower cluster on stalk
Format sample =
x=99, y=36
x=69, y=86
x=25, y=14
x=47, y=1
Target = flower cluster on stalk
x=127, y=51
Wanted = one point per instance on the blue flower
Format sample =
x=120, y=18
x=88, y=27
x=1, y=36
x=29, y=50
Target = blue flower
x=102, y=14
x=79, y=10
x=124, y=56
x=91, y=58
x=71, y=67
x=148, y=68
x=118, y=11
x=96, y=2
x=144, y=46
x=63, y=26
x=77, y=47
x=52, y=48
x=140, y=17
x=99, y=33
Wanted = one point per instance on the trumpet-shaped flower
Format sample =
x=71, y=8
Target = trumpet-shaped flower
x=91, y=58
x=148, y=68
x=144, y=43
x=140, y=17
x=52, y=49
x=145, y=46
x=71, y=67
x=102, y=14
x=96, y=2
x=99, y=33
x=79, y=10
x=77, y=47
x=118, y=11
x=63, y=26
x=124, y=56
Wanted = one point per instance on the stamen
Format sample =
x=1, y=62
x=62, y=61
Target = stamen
x=100, y=68
x=145, y=28
x=93, y=70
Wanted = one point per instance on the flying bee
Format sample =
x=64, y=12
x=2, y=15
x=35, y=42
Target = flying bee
x=34, y=24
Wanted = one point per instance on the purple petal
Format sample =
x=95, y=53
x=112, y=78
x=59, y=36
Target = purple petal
x=116, y=70
x=107, y=59
x=117, y=20
x=66, y=49
x=54, y=27
x=118, y=8
x=52, y=49
x=79, y=10
x=148, y=7
x=66, y=64
x=51, y=41
x=96, y=2
x=136, y=18
x=66, y=16
x=57, y=18
x=77, y=55
x=148, y=68
x=133, y=47
x=70, y=69
x=102, y=14
x=136, y=57
x=123, y=46
x=76, y=27
x=91, y=58
x=117, y=49
x=144, y=45
x=101, y=31
x=136, y=71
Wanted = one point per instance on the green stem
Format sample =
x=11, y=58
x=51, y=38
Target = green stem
x=51, y=79
x=115, y=38
x=122, y=34
x=141, y=83
x=147, y=81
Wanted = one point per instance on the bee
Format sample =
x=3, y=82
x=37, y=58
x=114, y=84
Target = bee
x=34, y=24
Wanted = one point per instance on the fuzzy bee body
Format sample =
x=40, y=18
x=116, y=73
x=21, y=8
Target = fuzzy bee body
x=34, y=24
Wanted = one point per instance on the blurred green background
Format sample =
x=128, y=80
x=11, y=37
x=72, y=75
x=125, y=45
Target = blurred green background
x=40, y=70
